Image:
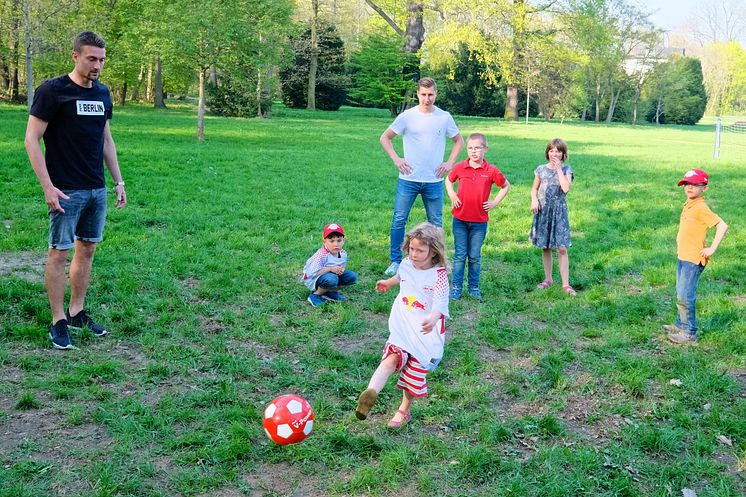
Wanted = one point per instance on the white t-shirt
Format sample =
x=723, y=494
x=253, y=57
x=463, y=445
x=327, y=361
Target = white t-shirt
x=420, y=292
x=424, y=137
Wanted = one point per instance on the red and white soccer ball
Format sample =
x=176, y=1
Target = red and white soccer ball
x=288, y=419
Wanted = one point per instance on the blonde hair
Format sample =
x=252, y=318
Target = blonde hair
x=433, y=237
x=477, y=136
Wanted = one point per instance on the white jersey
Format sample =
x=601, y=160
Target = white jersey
x=319, y=260
x=421, y=291
x=424, y=137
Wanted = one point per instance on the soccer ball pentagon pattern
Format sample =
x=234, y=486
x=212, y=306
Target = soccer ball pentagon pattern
x=288, y=419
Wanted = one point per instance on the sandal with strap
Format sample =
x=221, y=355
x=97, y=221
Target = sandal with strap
x=544, y=284
x=569, y=290
x=406, y=418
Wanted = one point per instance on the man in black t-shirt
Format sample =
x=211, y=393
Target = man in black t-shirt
x=71, y=113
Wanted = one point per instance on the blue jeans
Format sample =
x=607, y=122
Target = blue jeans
x=468, y=238
x=83, y=219
x=331, y=280
x=687, y=278
x=406, y=194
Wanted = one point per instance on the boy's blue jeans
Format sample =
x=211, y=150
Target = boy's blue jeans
x=406, y=194
x=687, y=278
x=468, y=238
x=331, y=280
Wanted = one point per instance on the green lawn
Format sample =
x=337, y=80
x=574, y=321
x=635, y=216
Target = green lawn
x=538, y=394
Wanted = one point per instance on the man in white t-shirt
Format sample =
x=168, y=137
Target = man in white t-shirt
x=421, y=171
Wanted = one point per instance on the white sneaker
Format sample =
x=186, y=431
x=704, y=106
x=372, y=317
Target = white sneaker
x=392, y=269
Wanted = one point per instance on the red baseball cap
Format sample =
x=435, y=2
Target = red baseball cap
x=694, y=176
x=333, y=228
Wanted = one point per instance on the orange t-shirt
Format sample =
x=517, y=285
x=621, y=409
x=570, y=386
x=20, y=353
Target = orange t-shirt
x=696, y=219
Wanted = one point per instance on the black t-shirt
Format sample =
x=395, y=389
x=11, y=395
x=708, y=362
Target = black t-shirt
x=74, y=139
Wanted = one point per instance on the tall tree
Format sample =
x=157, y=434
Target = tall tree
x=313, y=64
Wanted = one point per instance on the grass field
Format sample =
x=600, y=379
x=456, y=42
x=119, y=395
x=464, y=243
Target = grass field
x=538, y=394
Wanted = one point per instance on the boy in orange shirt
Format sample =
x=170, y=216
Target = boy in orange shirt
x=693, y=255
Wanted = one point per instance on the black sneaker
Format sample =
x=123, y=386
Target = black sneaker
x=82, y=319
x=60, y=335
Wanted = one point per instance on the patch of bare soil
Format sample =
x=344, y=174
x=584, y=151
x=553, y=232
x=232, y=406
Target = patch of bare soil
x=35, y=435
x=27, y=266
x=519, y=319
x=740, y=377
x=282, y=479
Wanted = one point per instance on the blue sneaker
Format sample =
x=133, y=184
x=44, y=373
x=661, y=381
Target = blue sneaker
x=455, y=293
x=60, y=336
x=333, y=296
x=474, y=292
x=315, y=300
x=83, y=320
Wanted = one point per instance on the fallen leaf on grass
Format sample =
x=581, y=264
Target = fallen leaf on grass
x=724, y=440
x=675, y=382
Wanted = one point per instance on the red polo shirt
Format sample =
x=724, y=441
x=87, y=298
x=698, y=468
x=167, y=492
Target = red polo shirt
x=474, y=185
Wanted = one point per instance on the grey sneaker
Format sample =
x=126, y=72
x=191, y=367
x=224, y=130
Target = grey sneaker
x=392, y=269
x=60, y=336
x=83, y=320
x=681, y=338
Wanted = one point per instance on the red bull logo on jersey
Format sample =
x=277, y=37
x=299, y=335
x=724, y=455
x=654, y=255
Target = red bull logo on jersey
x=412, y=303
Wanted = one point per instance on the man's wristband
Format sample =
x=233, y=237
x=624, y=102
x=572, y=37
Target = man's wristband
x=119, y=183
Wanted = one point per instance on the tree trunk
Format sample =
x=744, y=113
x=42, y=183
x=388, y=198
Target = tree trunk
x=136, y=91
x=597, y=118
x=314, y=62
x=158, y=102
x=29, y=62
x=201, y=106
x=213, y=76
x=635, y=104
x=658, y=107
x=149, y=84
x=13, y=43
x=123, y=95
x=518, y=24
x=414, y=34
x=511, y=103
x=612, y=105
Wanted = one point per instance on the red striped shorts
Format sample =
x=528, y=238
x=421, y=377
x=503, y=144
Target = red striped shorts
x=412, y=377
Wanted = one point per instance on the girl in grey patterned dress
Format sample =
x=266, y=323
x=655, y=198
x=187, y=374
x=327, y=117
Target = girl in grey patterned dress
x=550, y=229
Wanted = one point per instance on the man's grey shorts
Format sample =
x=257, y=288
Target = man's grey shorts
x=83, y=219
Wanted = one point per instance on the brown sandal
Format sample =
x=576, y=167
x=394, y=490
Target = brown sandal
x=365, y=403
x=544, y=284
x=569, y=290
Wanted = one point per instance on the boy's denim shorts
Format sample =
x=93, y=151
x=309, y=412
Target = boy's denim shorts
x=83, y=219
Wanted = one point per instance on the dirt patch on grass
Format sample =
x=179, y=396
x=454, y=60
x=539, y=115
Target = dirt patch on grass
x=282, y=479
x=27, y=266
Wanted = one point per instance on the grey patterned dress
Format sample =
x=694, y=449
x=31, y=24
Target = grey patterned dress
x=551, y=227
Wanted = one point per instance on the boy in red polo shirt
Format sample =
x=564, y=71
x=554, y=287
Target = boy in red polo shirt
x=471, y=206
x=692, y=253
